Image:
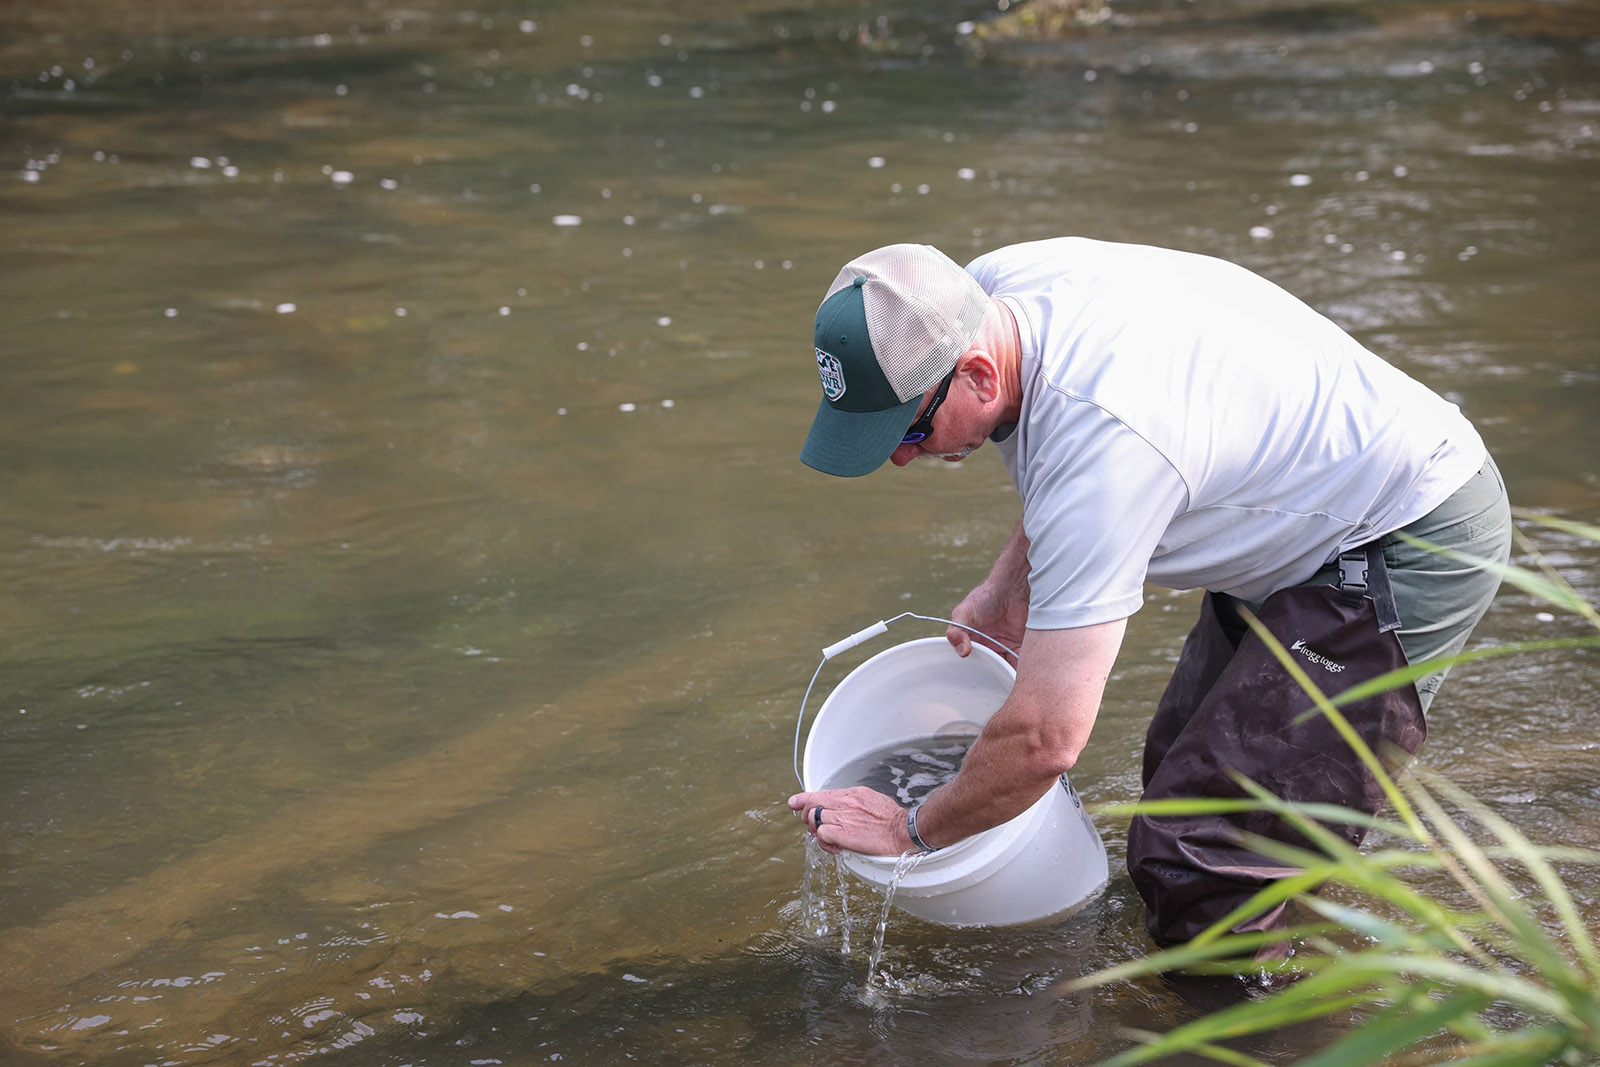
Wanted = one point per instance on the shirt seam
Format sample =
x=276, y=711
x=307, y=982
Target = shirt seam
x=1033, y=329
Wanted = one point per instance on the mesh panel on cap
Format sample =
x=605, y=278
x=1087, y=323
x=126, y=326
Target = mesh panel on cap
x=922, y=312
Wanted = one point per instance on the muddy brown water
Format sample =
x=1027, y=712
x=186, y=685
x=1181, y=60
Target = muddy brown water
x=409, y=583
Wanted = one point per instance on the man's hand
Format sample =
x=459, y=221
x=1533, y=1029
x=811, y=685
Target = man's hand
x=858, y=819
x=997, y=612
x=999, y=606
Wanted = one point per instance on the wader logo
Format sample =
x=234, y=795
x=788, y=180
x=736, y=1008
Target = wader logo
x=1316, y=657
x=832, y=375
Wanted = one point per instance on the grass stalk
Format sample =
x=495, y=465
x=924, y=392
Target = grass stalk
x=1424, y=975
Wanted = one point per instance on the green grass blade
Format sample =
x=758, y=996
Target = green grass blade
x=1397, y=1028
x=1340, y=723
x=1530, y=936
x=1215, y=1052
x=1293, y=856
x=1293, y=813
x=1357, y=871
x=1237, y=805
x=1547, y=569
x=1181, y=957
x=1377, y=965
x=1227, y=1055
x=1379, y=929
x=1440, y=928
x=1407, y=675
x=1265, y=899
x=1177, y=806
x=1447, y=935
x=1554, y=889
x=1377, y=882
x=1553, y=589
x=1577, y=529
x=1298, y=1003
x=1393, y=858
x=1526, y=1048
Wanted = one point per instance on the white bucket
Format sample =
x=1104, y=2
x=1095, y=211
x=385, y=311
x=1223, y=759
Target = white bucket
x=1042, y=863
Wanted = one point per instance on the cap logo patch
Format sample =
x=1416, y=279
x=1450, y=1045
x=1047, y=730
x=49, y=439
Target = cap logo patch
x=832, y=375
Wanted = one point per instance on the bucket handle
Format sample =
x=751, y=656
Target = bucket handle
x=852, y=641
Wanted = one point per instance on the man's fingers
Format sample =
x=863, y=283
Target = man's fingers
x=959, y=639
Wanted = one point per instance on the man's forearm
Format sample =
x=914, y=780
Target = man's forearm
x=1003, y=774
x=1033, y=738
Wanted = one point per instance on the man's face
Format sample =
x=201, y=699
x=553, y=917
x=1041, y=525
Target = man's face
x=954, y=435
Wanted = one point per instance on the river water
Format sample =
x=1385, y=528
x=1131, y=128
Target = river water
x=409, y=582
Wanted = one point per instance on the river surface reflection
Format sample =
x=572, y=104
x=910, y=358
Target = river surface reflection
x=409, y=581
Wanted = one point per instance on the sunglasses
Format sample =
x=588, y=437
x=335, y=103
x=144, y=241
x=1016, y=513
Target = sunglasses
x=924, y=425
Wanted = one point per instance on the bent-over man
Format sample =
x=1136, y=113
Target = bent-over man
x=1174, y=419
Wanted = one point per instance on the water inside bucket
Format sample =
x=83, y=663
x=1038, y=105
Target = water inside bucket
x=908, y=770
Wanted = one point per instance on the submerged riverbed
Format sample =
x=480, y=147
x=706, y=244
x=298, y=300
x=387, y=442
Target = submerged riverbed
x=409, y=580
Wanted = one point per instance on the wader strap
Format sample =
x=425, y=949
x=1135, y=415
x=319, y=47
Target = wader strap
x=1363, y=572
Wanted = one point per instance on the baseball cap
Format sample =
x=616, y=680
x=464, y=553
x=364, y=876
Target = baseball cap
x=894, y=322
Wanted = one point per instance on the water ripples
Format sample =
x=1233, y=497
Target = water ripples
x=405, y=528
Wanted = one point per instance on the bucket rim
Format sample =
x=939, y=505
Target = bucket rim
x=809, y=779
x=978, y=850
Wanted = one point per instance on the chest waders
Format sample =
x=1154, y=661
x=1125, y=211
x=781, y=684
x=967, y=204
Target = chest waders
x=1230, y=707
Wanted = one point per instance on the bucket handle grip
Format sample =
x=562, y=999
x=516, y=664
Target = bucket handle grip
x=860, y=636
x=854, y=639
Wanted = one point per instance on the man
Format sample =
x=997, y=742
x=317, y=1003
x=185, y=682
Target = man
x=1174, y=419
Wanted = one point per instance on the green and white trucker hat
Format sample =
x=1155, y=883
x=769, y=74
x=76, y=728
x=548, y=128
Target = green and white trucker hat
x=893, y=323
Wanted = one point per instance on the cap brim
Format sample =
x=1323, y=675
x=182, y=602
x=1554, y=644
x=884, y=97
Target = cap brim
x=850, y=444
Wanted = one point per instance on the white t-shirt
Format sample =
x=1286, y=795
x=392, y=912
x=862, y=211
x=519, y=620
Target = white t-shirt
x=1188, y=423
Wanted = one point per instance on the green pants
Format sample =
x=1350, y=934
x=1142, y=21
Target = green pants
x=1440, y=599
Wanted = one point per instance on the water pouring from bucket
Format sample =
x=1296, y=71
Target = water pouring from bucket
x=1041, y=864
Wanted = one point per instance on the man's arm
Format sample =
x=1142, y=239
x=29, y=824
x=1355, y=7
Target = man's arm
x=999, y=604
x=1032, y=740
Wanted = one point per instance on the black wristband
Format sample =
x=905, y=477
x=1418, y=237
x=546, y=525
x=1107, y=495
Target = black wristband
x=916, y=838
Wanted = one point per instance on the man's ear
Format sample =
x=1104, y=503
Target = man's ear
x=981, y=371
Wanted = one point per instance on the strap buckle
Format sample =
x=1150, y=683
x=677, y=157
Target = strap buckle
x=1353, y=573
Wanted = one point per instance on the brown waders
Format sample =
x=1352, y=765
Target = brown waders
x=1231, y=707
